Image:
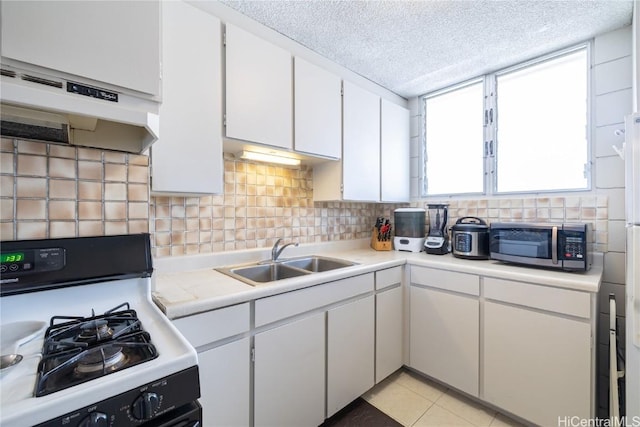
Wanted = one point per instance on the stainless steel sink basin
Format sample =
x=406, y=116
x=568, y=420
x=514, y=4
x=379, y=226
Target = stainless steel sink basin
x=317, y=264
x=265, y=272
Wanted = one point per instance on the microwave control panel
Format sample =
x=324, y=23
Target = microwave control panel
x=573, y=247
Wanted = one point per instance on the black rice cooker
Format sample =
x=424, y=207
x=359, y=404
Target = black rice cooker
x=470, y=238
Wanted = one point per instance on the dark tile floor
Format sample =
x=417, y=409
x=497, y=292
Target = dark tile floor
x=360, y=413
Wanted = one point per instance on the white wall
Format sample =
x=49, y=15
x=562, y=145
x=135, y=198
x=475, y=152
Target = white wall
x=612, y=100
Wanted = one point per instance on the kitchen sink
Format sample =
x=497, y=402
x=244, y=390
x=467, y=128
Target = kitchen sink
x=266, y=272
x=317, y=264
x=269, y=271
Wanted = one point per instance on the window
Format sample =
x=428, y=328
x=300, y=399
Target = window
x=453, y=126
x=523, y=129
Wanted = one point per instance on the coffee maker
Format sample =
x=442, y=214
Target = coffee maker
x=437, y=242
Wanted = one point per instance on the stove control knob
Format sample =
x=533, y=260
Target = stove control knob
x=145, y=406
x=95, y=419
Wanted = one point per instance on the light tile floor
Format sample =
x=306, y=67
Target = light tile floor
x=415, y=401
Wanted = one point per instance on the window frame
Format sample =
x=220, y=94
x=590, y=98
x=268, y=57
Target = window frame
x=490, y=142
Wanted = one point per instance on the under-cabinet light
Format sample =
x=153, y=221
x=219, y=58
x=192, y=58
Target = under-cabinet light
x=270, y=158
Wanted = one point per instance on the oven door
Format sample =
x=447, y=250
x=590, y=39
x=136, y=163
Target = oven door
x=530, y=244
x=189, y=415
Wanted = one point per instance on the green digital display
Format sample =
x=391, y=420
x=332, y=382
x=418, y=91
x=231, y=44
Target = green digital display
x=12, y=257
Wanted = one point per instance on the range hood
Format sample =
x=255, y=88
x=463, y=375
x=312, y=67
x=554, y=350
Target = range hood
x=52, y=108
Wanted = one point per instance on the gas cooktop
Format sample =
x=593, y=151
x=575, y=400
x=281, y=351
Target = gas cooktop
x=84, y=348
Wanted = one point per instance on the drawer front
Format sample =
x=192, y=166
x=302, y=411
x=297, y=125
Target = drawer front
x=388, y=277
x=573, y=303
x=447, y=280
x=290, y=304
x=205, y=328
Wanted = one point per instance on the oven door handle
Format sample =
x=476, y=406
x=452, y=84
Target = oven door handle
x=554, y=245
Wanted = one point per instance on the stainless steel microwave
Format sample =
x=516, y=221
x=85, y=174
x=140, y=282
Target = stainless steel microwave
x=559, y=246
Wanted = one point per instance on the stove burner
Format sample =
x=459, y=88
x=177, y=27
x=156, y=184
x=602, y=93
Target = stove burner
x=95, y=330
x=83, y=332
x=81, y=349
x=103, y=359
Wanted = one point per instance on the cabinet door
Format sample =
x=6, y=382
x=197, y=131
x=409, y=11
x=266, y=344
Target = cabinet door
x=318, y=108
x=350, y=352
x=444, y=337
x=289, y=374
x=388, y=332
x=360, y=144
x=225, y=384
x=188, y=156
x=258, y=90
x=394, y=153
x=536, y=365
x=109, y=41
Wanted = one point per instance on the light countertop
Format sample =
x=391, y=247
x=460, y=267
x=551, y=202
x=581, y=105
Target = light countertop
x=187, y=285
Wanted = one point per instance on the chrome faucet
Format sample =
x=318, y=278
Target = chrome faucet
x=275, y=251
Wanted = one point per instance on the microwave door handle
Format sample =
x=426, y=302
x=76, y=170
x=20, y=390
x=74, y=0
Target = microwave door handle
x=554, y=245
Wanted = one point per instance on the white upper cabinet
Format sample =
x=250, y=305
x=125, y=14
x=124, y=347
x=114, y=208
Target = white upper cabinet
x=259, y=102
x=188, y=157
x=108, y=41
x=318, y=110
x=394, y=153
x=361, y=144
x=357, y=176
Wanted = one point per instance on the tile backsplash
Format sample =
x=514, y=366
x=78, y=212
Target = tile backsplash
x=260, y=204
x=572, y=208
x=49, y=190
x=52, y=190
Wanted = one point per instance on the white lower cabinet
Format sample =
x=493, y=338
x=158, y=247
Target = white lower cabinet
x=389, y=321
x=225, y=384
x=350, y=352
x=523, y=347
x=537, y=365
x=224, y=370
x=289, y=381
x=445, y=337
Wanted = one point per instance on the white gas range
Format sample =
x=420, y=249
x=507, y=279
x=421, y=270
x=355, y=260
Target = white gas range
x=96, y=350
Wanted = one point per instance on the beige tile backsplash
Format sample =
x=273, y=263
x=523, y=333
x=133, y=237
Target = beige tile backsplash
x=52, y=190
x=260, y=204
x=576, y=208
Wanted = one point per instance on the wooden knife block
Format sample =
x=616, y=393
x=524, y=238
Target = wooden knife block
x=379, y=245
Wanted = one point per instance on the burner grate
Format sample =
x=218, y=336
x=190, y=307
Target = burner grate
x=80, y=349
x=75, y=366
x=87, y=331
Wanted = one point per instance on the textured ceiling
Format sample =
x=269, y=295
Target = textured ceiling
x=413, y=47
